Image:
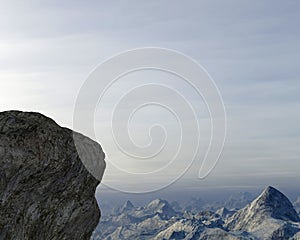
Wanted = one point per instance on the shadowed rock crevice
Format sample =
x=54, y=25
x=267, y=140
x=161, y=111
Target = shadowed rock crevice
x=45, y=190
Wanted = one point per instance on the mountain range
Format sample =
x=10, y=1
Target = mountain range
x=269, y=216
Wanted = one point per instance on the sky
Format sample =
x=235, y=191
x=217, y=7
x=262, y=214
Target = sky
x=250, y=48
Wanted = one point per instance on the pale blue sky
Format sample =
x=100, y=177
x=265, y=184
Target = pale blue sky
x=250, y=48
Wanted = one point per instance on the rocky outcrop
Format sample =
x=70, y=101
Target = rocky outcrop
x=45, y=190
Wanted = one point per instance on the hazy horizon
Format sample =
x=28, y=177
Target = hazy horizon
x=250, y=48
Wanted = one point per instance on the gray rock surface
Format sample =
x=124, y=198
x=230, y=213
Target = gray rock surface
x=45, y=190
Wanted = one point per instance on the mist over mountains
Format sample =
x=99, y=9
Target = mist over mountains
x=271, y=215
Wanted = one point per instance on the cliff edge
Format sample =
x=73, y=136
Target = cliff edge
x=45, y=190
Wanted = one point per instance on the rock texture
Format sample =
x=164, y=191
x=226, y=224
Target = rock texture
x=45, y=190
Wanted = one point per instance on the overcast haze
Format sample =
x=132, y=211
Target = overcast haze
x=250, y=48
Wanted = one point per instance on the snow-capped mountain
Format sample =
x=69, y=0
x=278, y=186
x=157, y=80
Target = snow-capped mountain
x=160, y=206
x=270, y=216
x=131, y=222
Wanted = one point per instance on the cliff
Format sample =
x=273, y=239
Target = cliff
x=45, y=190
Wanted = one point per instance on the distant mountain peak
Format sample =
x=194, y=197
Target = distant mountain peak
x=157, y=202
x=127, y=206
x=270, y=191
x=271, y=204
x=161, y=206
x=277, y=205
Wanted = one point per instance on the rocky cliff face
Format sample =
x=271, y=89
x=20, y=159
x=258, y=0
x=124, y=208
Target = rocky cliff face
x=45, y=190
